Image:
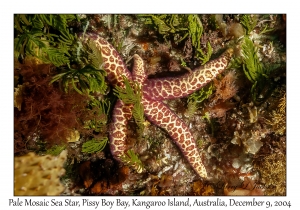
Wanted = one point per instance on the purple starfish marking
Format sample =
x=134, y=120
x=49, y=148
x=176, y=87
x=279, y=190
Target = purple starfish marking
x=153, y=92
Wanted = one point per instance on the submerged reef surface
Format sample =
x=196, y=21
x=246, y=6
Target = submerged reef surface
x=153, y=104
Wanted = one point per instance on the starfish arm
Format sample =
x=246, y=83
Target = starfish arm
x=138, y=71
x=169, y=88
x=115, y=69
x=118, y=129
x=159, y=114
x=112, y=61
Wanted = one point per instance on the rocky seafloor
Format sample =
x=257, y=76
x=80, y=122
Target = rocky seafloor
x=238, y=119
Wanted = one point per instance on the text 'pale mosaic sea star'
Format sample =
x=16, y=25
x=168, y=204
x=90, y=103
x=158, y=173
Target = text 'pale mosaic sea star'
x=153, y=92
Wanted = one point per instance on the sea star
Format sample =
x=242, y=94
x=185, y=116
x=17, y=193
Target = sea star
x=153, y=92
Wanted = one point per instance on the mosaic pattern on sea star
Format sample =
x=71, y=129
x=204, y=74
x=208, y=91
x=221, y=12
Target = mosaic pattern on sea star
x=153, y=92
x=177, y=87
